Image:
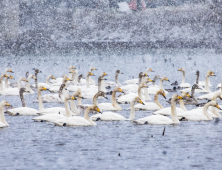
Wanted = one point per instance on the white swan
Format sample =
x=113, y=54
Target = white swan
x=43, y=111
x=3, y=75
x=24, y=110
x=129, y=97
x=56, y=116
x=77, y=120
x=183, y=84
x=206, y=88
x=111, y=106
x=47, y=85
x=6, y=85
x=55, y=89
x=180, y=111
x=28, y=88
x=201, y=114
x=162, y=120
x=203, y=83
x=150, y=105
x=153, y=89
x=3, y=122
x=13, y=91
x=110, y=116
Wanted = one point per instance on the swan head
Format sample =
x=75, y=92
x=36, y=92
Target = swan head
x=5, y=75
x=118, y=89
x=162, y=92
x=185, y=94
x=4, y=103
x=145, y=75
x=176, y=97
x=90, y=74
x=210, y=73
x=195, y=86
x=118, y=72
x=52, y=77
x=197, y=72
x=149, y=69
x=95, y=108
x=71, y=68
x=71, y=71
x=214, y=104
x=138, y=100
x=92, y=68
x=165, y=78
x=37, y=71
x=24, y=79
x=147, y=80
x=104, y=74
x=65, y=78
x=42, y=88
x=8, y=70
x=102, y=94
x=23, y=90
x=217, y=95
x=181, y=69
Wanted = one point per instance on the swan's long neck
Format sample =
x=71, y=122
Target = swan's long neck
x=76, y=78
x=36, y=81
x=117, y=80
x=99, y=84
x=70, y=76
x=132, y=111
x=207, y=83
x=91, y=80
x=22, y=99
x=19, y=82
x=205, y=112
x=1, y=79
x=140, y=79
x=193, y=96
x=6, y=83
x=66, y=102
x=157, y=101
x=197, y=79
x=140, y=93
x=95, y=101
x=182, y=106
x=47, y=81
x=79, y=101
x=161, y=84
x=28, y=85
x=86, y=116
x=103, y=85
x=74, y=107
x=41, y=107
x=174, y=112
x=183, y=77
x=114, y=103
x=221, y=87
x=2, y=115
x=87, y=82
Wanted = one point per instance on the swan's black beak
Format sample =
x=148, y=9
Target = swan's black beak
x=220, y=98
x=104, y=79
x=65, y=88
x=106, y=98
x=12, y=71
x=28, y=91
x=82, y=97
x=121, y=73
x=169, y=80
x=47, y=89
x=40, y=71
x=164, y=97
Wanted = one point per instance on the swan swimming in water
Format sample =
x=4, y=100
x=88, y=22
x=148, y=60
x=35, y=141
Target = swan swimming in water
x=162, y=120
x=183, y=84
x=24, y=110
x=111, y=116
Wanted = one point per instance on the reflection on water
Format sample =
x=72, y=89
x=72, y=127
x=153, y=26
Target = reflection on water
x=112, y=144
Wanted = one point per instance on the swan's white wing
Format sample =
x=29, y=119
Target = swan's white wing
x=155, y=119
x=49, y=117
x=108, y=116
x=22, y=111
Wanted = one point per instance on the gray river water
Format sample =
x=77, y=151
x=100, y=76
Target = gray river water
x=119, y=144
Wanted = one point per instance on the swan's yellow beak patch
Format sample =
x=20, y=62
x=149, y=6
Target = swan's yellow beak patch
x=218, y=107
x=68, y=79
x=166, y=79
x=11, y=77
x=188, y=95
x=145, y=75
x=7, y=104
x=104, y=74
x=80, y=95
x=97, y=109
x=150, y=80
x=179, y=69
x=73, y=67
x=5, y=75
x=73, y=98
x=151, y=70
x=180, y=97
x=94, y=68
x=25, y=80
x=44, y=88
x=72, y=71
x=91, y=74
x=53, y=78
x=120, y=90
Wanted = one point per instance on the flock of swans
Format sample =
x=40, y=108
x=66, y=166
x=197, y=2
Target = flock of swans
x=135, y=92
